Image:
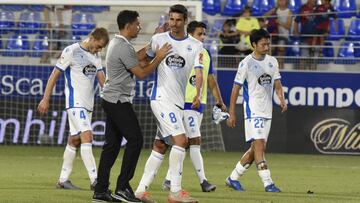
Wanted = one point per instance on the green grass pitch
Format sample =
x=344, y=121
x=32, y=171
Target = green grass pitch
x=29, y=174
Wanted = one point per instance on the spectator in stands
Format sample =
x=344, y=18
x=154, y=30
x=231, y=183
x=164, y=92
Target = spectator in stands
x=228, y=42
x=279, y=26
x=58, y=22
x=244, y=26
x=322, y=22
x=306, y=19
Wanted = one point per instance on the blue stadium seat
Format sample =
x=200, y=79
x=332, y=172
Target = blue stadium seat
x=334, y=34
x=7, y=21
x=294, y=5
x=211, y=7
x=348, y=51
x=216, y=28
x=41, y=44
x=293, y=48
x=13, y=7
x=17, y=46
x=234, y=7
x=82, y=23
x=346, y=6
x=260, y=7
x=354, y=31
x=36, y=8
x=75, y=38
x=327, y=52
x=29, y=23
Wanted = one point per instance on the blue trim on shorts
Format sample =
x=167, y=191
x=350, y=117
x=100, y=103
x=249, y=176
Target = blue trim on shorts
x=187, y=106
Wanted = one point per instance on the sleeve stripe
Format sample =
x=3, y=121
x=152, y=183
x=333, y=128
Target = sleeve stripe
x=59, y=68
x=199, y=67
x=238, y=83
x=100, y=69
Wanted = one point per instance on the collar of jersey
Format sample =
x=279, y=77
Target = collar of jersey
x=122, y=37
x=257, y=59
x=187, y=35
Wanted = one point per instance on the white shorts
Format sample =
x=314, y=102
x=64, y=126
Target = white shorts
x=169, y=118
x=257, y=128
x=192, y=121
x=79, y=120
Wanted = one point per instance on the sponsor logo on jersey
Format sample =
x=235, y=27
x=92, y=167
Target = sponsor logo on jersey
x=264, y=79
x=189, y=48
x=192, y=80
x=175, y=61
x=89, y=70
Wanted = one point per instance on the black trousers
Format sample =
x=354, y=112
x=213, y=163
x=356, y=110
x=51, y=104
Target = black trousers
x=121, y=121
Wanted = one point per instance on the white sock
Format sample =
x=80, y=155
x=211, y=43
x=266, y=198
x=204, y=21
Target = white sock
x=168, y=174
x=89, y=160
x=151, y=168
x=176, y=159
x=197, y=161
x=265, y=177
x=68, y=160
x=238, y=171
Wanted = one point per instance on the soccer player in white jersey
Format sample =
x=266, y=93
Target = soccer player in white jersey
x=192, y=118
x=258, y=74
x=80, y=63
x=167, y=98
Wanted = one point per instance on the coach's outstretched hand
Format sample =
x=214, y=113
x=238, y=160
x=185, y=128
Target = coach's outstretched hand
x=163, y=51
x=43, y=106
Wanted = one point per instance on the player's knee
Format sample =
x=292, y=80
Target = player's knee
x=160, y=146
x=180, y=140
x=261, y=165
x=195, y=141
x=74, y=141
x=86, y=137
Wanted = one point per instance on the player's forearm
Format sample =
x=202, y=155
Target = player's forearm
x=51, y=84
x=149, y=68
x=279, y=91
x=233, y=98
x=215, y=90
x=101, y=78
x=142, y=53
x=199, y=81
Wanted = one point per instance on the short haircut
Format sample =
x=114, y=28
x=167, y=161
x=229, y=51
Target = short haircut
x=179, y=8
x=191, y=27
x=100, y=33
x=257, y=34
x=125, y=17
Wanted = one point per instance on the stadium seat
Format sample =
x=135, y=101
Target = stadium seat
x=41, y=44
x=7, y=21
x=29, y=23
x=348, y=50
x=36, y=8
x=82, y=23
x=294, y=5
x=17, y=46
x=12, y=7
x=211, y=7
x=354, y=31
x=260, y=7
x=335, y=35
x=233, y=7
x=348, y=7
x=75, y=38
x=216, y=28
x=328, y=53
x=293, y=48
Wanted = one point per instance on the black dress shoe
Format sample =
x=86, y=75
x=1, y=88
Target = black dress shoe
x=104, y=197
x=126, y=196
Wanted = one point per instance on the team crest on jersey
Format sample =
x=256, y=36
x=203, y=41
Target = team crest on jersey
x=264, y=79
x=271, y=65
x=175, y=61
x=189, y=48
x=89, y=70
x=192, y=80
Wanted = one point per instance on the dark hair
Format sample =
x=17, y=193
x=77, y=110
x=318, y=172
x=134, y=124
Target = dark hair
x=179, y=8
x=257, y=34
x=100, y=33
x=125, y=17
x=191, y=27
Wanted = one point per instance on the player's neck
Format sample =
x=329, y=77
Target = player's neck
x=85, y=44
x=178, y=35
x=258, y=56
